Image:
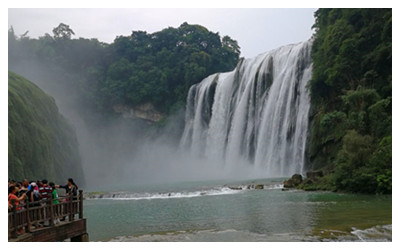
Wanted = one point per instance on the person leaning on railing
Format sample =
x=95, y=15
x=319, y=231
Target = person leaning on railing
x=13, y=200
x=56, y=209
x=71, y=189
x=33, y=195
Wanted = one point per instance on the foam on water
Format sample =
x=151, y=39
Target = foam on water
x=380, y=233
x=221, y=190
x=166, y=195
x=377, y=233
x=211, y=235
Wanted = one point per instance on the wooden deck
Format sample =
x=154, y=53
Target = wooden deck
x=45, y=221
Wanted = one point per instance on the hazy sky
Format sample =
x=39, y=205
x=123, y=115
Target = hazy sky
x=256, y=30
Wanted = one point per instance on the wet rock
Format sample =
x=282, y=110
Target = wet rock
x=145, y=111
x=259, y=186
x=288, y=183
x=297, y=179
x=293, y=182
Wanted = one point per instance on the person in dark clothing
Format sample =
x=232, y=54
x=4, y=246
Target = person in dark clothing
x=11, y=183
x=33, y=196
x=71, y=190
x=24, y=188
x=18, y=185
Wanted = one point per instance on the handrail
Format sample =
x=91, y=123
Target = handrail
x=43, y=213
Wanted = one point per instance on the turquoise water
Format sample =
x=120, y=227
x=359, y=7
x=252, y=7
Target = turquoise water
x=210, y=211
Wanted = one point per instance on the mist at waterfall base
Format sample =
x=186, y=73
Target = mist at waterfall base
x=116, y=151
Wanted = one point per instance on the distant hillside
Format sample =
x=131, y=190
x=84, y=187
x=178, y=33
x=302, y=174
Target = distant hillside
x=41, y=144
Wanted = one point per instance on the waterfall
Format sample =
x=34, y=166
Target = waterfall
x=256, y=115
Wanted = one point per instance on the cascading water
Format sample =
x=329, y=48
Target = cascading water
x=256, y=115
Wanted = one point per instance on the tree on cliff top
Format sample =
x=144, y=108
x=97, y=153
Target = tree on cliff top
x=63, y=31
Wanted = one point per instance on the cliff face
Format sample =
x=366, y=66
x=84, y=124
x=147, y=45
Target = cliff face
x=41, y=144
x=145, y=112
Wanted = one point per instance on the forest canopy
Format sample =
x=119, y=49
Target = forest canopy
x=143, y=67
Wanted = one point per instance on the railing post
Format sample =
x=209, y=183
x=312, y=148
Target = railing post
x=51, y=210
x=28, y=217
x=14, y=210
x=71, y=212
x=80, y=204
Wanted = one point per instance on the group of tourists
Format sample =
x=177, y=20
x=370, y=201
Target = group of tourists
x=21, y=193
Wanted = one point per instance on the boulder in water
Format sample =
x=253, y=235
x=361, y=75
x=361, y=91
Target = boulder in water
x=288, y=183
x=297, y=179
x=250, y=187
x=259, y=186
x=293, y=182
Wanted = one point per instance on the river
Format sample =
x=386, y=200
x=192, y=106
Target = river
x=213, y=211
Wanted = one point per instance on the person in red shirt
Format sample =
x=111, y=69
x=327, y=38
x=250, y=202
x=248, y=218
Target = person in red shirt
x=12, y=197
x=13, y=200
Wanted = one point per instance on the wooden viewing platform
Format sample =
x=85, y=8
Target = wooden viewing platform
x=44, y=221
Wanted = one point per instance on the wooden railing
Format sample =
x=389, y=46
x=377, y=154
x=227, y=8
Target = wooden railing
x=30, y=216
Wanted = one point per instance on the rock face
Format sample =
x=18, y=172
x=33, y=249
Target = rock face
x=144, y=111
x=293, y=182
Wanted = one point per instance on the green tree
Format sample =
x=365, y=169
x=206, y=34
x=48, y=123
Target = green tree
x=63, y=31
x=164, y=64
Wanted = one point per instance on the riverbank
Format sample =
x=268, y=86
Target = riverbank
x=322, y=181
